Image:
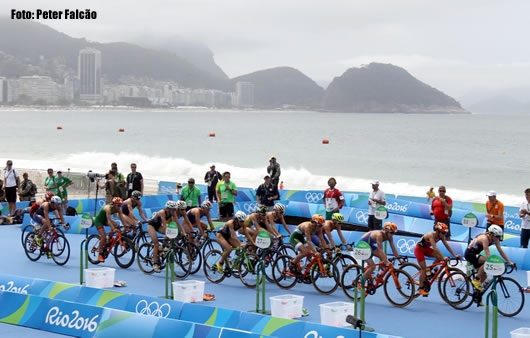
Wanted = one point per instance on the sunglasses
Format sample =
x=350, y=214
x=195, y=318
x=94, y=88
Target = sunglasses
x=441, y=190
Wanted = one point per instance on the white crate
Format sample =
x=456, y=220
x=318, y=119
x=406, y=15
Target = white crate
x=189, y=291
x=287, y=306
x=522, y=332
x=99, y=277
x=335, y=313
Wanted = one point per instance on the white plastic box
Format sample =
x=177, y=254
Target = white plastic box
x=287, y=306
x=188, y=291
x=335, y=313
x=522, y=332
x=99, y=277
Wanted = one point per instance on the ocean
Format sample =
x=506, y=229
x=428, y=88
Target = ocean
x=469, y=154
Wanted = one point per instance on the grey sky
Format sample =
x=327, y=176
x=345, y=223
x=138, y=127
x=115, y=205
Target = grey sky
x=456, y=46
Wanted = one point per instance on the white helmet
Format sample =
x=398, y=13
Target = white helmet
x=495, y=230
x=171, y=204
x=181, y=205
x=56, y=200
x=206, y=205
x=279, y=207
x=240, y=216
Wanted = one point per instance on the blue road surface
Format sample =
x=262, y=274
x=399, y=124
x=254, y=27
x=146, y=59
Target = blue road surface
x=424, y=317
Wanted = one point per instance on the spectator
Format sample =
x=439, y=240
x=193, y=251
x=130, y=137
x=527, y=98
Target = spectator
x=191, y=195
x=494, y=211
x=281, y=185
x=135, y=181
x=430, y=194
x=49, y=182
x=121, y=190
x=442, y=209
x=376, y=199
x=110, y=186
x=524, y=213
x=2, y=192
x=28, y=189
x=11, y=186
x=267, y=193
x=211, y=178
x=333, y=199
x=274, y=170
x=62, y=183
x=226, y=192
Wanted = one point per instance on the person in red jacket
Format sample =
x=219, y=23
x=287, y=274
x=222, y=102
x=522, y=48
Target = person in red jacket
x=441, y=209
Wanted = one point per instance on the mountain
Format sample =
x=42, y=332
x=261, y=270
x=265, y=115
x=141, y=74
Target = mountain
x=514, y=100
x=283, y=87
x=385, y=88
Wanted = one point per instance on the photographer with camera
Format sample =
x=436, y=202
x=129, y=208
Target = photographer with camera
x=109, y=185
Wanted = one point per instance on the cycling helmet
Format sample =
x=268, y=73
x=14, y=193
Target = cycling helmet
x=319, y=219
x=206, y=205
x=56, y=200
x=390, y=226
x=117, y=201
x=337, y=217
x=171, y=205
x=48, y=196
x=279, y=207
x=261, y=209
x=441, y=227
x=181, y=205
x=136, y=194
x=240, y=216
x=495, y=230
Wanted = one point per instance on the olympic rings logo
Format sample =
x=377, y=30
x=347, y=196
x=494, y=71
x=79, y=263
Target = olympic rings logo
x=406, y=246
x=101, y=203
x=313, y=197
x=250, y=207
x=362, y=217
x=153, y=309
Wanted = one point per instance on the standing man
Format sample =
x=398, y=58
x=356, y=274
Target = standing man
x=375, y=200
x=191, y=195
x=274, y=170
x=267, y=193
x=11, y=185
x=135, y=181
x=524, y=213
x=121, y=190
x=226, y=193
x=494, y=211
x=62, y=182
x=211, y=178
x=28, y=189
x=333, y=199
x=442, y=209
x=49, y=182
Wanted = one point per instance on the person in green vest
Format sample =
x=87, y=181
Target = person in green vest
x=49, y=182
x=191, y=195
x=62, y=182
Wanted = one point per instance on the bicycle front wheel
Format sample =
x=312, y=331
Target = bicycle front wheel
x=510, y=297
x=195, y=256
x=144, y=258
x=454, y=278
x=349, y=280
x=399, y=288
x=124, y=252
x=284, y=278
x=210, y=269
x=60, y=249
x=342, y=261
x=182, y=262
x=458, y=291
x=32, y=250
x=93, y=248
x=248, y=270
x=325, y=278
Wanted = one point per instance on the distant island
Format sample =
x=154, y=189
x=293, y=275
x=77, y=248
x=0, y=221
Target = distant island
x=32, y=49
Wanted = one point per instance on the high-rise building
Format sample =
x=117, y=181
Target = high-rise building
x=89, y=71
x=244, y=94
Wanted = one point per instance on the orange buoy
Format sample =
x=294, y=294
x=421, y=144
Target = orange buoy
x=211, y=134
x=325, y=141
x=59, y=127
x=121, y=130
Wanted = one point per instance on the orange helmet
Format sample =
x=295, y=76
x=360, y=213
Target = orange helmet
x=117, y=201
x=318, y=219
x=48, y=196
x=390, y=226
x=441, y=227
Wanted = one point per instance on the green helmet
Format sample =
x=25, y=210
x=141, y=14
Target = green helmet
x=261, y=209
x=337, y=217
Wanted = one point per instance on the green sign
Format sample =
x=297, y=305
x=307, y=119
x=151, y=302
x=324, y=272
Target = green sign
x=494, y=265
x=172, y=230
x=362, y=251
x=86, y=221
x=263, y=240
x=381, y=213
x=470, y=220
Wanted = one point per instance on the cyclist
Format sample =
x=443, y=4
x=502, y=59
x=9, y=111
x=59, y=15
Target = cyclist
x=276, y=216
x=42, y=217
x=334, y=224
x=256, y=219
x=129, y=219
x=227, y=236
x=482, y=242
x=35, y=206
x=375, y=239
x=195, y=215
x=182, y=207
x=158, y=223
x=426, y=246
x=104, y=218
x=300, y=239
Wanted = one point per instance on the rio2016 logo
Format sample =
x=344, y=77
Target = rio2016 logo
x=397, y=207
x=153, y=309
x=512, y=225
x=10, y=287
x=72, y=321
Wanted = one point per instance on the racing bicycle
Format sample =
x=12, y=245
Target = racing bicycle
x=53, y=244
x=182, y=261
x=241, y=263
x=120, y=246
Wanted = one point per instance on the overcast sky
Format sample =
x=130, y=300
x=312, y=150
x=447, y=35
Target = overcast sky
x=454, y=45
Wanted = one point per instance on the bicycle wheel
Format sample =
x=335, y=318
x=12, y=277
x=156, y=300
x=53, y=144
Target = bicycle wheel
x=247, y=270
x=349, y=280
x=93, y=248
x=195, y=256
x=124, y=252
x=284, y=278
x=27, y=229
x=144, y=258
x=454, y=277
x=182, y=262
x=342, y=261
x=60, y=249
x=140, y=238
x=510, y=297
x=325, y=281
x=286, y=249
x=399, y=288
x=32, y=250
x=209, y=268
x=209, y=245
x=458, y=291
x=270, y=256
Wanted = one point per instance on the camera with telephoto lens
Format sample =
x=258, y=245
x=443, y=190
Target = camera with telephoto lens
x=92, y=175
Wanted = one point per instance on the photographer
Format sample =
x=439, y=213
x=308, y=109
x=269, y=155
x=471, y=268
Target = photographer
x=109, y=186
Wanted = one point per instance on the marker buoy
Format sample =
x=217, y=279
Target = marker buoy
x=121, y=130
x=59, y=127
x=211, y=134
x=325, y=141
